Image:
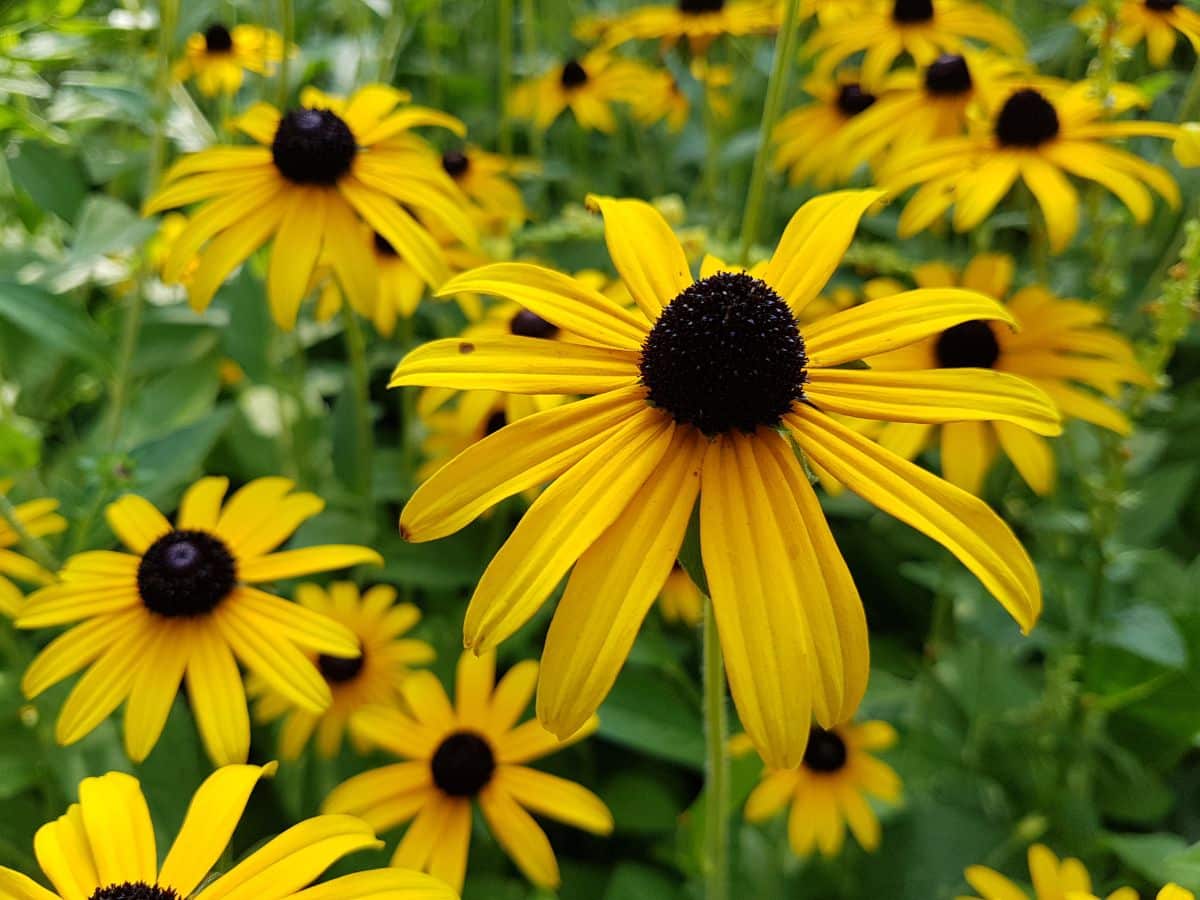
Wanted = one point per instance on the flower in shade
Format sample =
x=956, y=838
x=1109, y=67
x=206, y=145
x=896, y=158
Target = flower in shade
x=699, y=22
x=704, y=391
x=828, y=791
x=885, y=29
x=1053, y=879
x=460, y=754
x=680, y=600
x=38, y=518
x=1039, y=132
x=1062, y=346
x=806, y=136
x=1157, y=22
x=181, y=604
x=219, y=57
x=373, y=678
x=316, y=172
x=104, y=848
x=588, y=86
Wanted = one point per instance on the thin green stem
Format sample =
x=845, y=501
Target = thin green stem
x=505, y=8
x=356, y=352
x=34, y=546
x=433, y=49
x=712, y=148
x=529, y=48
x=389, y=46
x=785, y=53
x=716, y=836
x=287, y=27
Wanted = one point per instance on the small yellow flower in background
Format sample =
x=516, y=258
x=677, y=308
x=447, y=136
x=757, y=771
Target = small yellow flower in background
x=1039, y=132
x=588, y=86
x=807, y=135
x=158, y=248
x=828, y=791
x=829, y=10
x=219, y=57
x=181, y=604
x=680, y=600
x=39, y=518
x=373, y=678
x=1175, y=892
x=1187, y=145
x=1053, y=879
x=1157, y=22
x=662, y=98
x=471, y=751
x=699, y=22
x=672, y=417
x=104, y=848
x=885, y=29
x=1060, y=345
x=486, y=179
x=318, y=171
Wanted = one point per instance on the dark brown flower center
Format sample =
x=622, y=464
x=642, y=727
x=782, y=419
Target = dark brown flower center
x=527, y=324
x=495, y=422
x=463, y=764
x=339, y=670
x=185, y=574
x=1027, y=119
x=693, y=7
x=948, y=74
x=383, y=246
x=134, y=890
x=573, y=74
x=217, y=39
x=313, y=146
x=968, y=345
x=911, y=11
x=1162, y=5
x=826, y=751
x=852, y=99
x=455, y=163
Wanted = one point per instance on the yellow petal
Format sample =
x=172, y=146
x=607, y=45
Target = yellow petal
x=557, y=798
x=119, y=830
x=645, y=251
x=218, y=698
x=1030, y=454
x=136, y=522
x=520, y=836
x=380, y=884
x=306, y=561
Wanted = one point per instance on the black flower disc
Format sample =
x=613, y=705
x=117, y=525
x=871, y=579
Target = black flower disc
x=463, y=764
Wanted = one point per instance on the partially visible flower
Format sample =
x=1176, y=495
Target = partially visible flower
x=181, y=604
x=219, y=57
x=103, y=848
x=806, y=137
x=1187, y=145
x=680, y=600
x=456, y=755
x=662, y=98
x=828, y=791
x=162, y=242
x=699, y=22
x=1175, y=892
x=373, y=678
x=1053, y=879
x=588, y=86
x=39, y=518
x=1157, y=22
x=487, y=179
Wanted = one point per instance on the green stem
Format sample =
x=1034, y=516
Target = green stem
x=287, y=28
x=716, y=832
x=506, y=64
x=529, y=48
x=785, y=53
x=433, y=49
x=711, y=150
x=36, y=549
x=356, y=351
x=389, y=46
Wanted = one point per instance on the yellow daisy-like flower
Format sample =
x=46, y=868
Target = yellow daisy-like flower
x=699, y=22
x=373, y=678
x=484, y=177
x=885, y=29
x=828, y=790
x=588, y=87
x=806, y=137
x=218, y=58
x=662, y=98
x=39, y=518
x=675, y=413
x=1053, y=879
x=1175, y=892
x=1060, y=346
x=1040, y=132
x=319, y=171
x=680, y=600
x=104, y=848
x=1158, y=22
x=181, y=604
x=471, y=751
x=158, y=248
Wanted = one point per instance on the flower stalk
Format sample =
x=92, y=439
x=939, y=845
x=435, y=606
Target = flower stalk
x=716, y=822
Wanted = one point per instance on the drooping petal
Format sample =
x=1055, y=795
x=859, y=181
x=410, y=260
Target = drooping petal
x=304, y=627
x=557, y=798
x=218, y=698
x=1030, y=454
x=277, y=662
x=645, y=252
x=520, y=836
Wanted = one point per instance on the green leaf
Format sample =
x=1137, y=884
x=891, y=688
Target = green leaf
x=1148, y=632
x=53, y=321
x=51, y=178
x=652, y=715
x=631, y=881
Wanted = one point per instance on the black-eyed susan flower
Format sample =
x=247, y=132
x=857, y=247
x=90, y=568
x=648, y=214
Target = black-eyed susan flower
x=703, y=392
x=1052, y=879
x=373, y=678
x=38, y=518
x=104, y=848
x=1061, y=345
x=884, y=29
x=486, y=179
x=158, y=248
x=181, y=604
x=699, y=22
x=805, y=137
x=1157, y=22
x=680, y=600
x=663, y=99
x=829, y=790
x=219, y=57
x=1039, y=132
x=588, y=86
x=457, y=755
x=318, y=171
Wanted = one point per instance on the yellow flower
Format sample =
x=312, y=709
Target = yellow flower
x=673, y=413
x=1155, y=21
x=806, y=137
x=318, y=171
x=1174, y=892
x=182, y=604
x=700, y=22
x=158, y=248
x=219, y=57
x=588, y=87
x=829, y=789
x=663, y=98
x=1041, y=131
x=470, y=751
x=1187, y=145
x=885, y=29
x=1053, y=879
x=1060, y=345
x=104, y=848
x=39, y=518
x=373, y=678
x=680, y=600
x=484, y=177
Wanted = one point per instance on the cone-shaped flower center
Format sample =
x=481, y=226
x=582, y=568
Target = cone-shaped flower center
x=463, y=764
x=852, y=99
x=1027, y=119
x=383, y=246
x=573, y=74
x=701, y=6
x=185, y=573
x=135, y=890
x=313, y=146
x=339, y=670
x=217, y=39
x=527, y=324
x=725, y=354
x=1162, y=5
x=826, y=751
x=948, y=74
x=968, y=345
x=495, y=422
x=455, y=163
x=912, y=11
